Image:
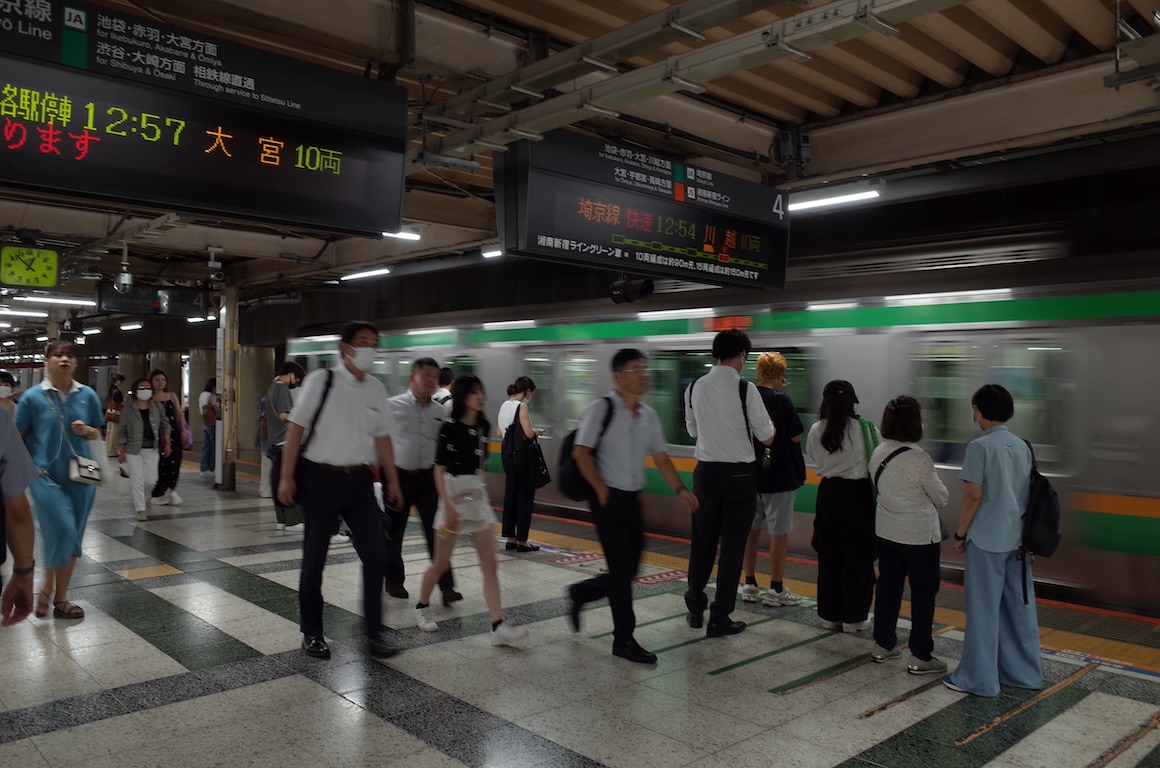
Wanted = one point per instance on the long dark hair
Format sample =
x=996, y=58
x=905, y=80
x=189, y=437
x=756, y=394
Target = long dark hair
x=464, y=387
x=837, y=409
x=158, y=372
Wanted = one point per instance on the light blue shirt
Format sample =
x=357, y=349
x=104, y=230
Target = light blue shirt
x=1000, y=462
x=628, y=441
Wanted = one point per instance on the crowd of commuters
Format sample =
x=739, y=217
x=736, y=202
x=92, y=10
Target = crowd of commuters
x=878, y=499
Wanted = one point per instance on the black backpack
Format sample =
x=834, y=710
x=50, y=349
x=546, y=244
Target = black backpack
x=1041, y=533
x=569, y=481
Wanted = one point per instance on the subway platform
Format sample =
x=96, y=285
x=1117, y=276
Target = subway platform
x=188, y=656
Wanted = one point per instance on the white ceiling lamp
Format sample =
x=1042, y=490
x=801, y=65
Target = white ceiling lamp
x=919, y=299
x=91, y=331
x=22, y=312
x=405, y=234
x=131, y=326
x=430, y=330
x=10, y=343
x=675, y=314
x=42, y=338
x=492, y=253
x=5, y=325
x=368, y=273
x=832, y=305
x=502, y=325
x=195, y=319
x=837, y=195
x=57, y=300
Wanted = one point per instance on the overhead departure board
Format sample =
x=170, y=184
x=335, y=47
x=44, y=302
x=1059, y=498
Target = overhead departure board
x=586, y=201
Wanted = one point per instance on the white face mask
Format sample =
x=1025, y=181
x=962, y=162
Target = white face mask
x=364, y=358
x=144, y=394
x=5, y=391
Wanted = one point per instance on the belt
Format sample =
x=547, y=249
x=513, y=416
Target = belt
x=349, y=470
x=414, y=472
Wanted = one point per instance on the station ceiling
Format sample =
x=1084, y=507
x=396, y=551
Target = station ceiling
x=906, y=90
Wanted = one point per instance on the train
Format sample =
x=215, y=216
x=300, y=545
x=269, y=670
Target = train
x=1078, y=359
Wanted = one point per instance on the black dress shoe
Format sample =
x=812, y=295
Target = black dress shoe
x=634, y=652
x=722, y=628
x=315, y=645
x=397, y=590
x=378, y=647
x=527, y=548
x=696, y=619
x=451, y=596
x=574, y=610
x=510, y=546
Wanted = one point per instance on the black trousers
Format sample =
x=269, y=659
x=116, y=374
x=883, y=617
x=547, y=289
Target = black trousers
x=621, y=531
x=284, y=515
x=418, y=491
x=727, y=494
x=519, y=497
x=325, y=494
x=169, y=467
x=844, y=540
x=895, y=562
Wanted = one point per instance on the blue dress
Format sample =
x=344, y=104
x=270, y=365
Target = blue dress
x=62, y=506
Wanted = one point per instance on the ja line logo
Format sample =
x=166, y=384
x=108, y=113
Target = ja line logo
x=74, y=18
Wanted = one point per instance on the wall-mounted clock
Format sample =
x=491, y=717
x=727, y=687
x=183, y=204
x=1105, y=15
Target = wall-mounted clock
x=29, y=267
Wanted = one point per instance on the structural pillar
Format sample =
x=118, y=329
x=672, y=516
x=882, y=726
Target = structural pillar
x=255, y=372
x=228, y=389
x=132, y=366
x=170, y=363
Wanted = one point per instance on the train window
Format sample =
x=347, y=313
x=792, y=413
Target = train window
x=577, y=387
x=463, y=365
x=538, y=366
x=1038, y=375
x=946, y=373
x=671, y=374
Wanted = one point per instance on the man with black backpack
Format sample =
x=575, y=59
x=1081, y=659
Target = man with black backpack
x=616, y=434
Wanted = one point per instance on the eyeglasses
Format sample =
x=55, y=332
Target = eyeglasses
x=635, y=371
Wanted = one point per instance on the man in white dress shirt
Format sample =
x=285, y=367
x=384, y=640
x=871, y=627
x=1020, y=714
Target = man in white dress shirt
x=328, y=469
x=721, y=412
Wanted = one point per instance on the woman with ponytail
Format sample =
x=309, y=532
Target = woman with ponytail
x=519, y=496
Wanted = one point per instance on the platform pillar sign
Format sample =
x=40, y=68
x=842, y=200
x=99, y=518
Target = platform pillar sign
x=228, y=353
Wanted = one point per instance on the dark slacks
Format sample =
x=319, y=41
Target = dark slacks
x=727, y=494
x=325, y=494
x=895, y=562
x=519, y=497
x=418, y=491
x=621, y=533
x=169, y=467
x=284, y=515
x=844, y=540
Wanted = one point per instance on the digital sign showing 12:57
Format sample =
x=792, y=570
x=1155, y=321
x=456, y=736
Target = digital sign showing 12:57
x=119, y=122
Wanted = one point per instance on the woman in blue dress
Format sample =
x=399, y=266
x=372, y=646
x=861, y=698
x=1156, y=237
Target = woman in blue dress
x=46, y=416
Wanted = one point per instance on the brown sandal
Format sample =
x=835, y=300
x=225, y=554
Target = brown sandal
x=70, y=610
x=42, y=605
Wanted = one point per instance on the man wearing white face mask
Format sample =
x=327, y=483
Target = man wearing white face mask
x=339, y=429
x=7, y=390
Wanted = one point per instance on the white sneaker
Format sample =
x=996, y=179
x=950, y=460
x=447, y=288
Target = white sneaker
x=280, y=526
x=750, y=593
x=141, y=515
x=858, y=627
x=784, y=597
x=160, y=501
x=207, y=474
x=338, y=538
x=296, y=528
x=424, y=621
x=505, y=634
x=173, y=497
x=834, y=625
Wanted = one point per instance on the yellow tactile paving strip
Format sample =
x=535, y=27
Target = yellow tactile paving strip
x=148, y=572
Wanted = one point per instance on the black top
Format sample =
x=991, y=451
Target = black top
x=148, y=440
x=780, y=476
x=460, y=449
x=115, y=395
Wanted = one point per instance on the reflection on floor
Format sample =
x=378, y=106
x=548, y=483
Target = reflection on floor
x=188, y=656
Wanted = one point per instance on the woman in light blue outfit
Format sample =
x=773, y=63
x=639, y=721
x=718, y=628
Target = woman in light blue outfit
x=46, y=416
x=1001, y=646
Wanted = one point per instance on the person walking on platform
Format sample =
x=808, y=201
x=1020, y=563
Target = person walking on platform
x=909, y=533
x=610, y=452
x=60, y=420
x=519, y=497
x=844, y=512
x=114, y=403
x=144, y=437
x=8, y=392
x=464, y=507
x=169, y=464
x=443, y=394
x=208, y=404
x=1001, y=646
x=338, y=431
x=780, y=474
x=279, y=403
x=17, y=532
x=725, y=414
x=417, y=420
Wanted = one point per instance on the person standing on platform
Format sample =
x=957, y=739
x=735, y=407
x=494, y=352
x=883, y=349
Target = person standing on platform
x=169, y=464
x=114, y=402
x=262, y=446
x=338, y=431
x=781, y=474
x=207, y=403
x=17, y=532
x=1001, y=646
x=143, y=439
x=417, y=420
x=279, y=404
x=58, y=420
x=725, y=414
x=612, y=460
x=519, y=497
x=8, y=392
x=443, y=394
x=844, y=518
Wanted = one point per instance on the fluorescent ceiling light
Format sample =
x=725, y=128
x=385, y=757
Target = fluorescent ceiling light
x=42, y=338
x=131, y=326
x=836, y=194
x=10, y=343
x=91, y=331
x=833, y=305
x=492, y=254
x=835, y=200
x=22, y=312
x=915, y=299
x=5, y=325
x=211, y=316
x=368, y=273
x=404, y=234
x=57, y=300
x=1045, y=349
x=675, y=314
x=504, y=324
x=322, y=338
x=195, y=319
x=430, y=330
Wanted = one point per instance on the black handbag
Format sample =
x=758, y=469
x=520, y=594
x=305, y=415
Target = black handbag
x=514, y=448
x=538, y=474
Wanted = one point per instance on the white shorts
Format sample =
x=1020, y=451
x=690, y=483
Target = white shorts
x=775, y=512
x=469, y=495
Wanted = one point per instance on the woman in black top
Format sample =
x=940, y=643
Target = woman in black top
x=464, y=506
x=169, y=467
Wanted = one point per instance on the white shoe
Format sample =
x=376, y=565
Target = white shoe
x=750, y=593
x=858, y=627
x=424, y=621
x=834, y=625
x=173, y=497
x=339, y=538
x=280, y=526
x=141, y=515
x=160, y=501
x=505, y=634
x=784, y=597
x=296, y=528
x=207, y=474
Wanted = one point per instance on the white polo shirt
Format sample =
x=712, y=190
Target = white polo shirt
x=415, y=430
x=354, y=415
x=715, y=417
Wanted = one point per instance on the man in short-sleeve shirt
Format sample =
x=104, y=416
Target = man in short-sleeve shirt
x=613, y=463
x=17, y=471
x=279, y=403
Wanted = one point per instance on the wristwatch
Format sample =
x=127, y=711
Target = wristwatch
x=959, y=538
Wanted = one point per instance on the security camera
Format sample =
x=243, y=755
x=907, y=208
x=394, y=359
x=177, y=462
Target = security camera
x=217, y=275
x=123, y=283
